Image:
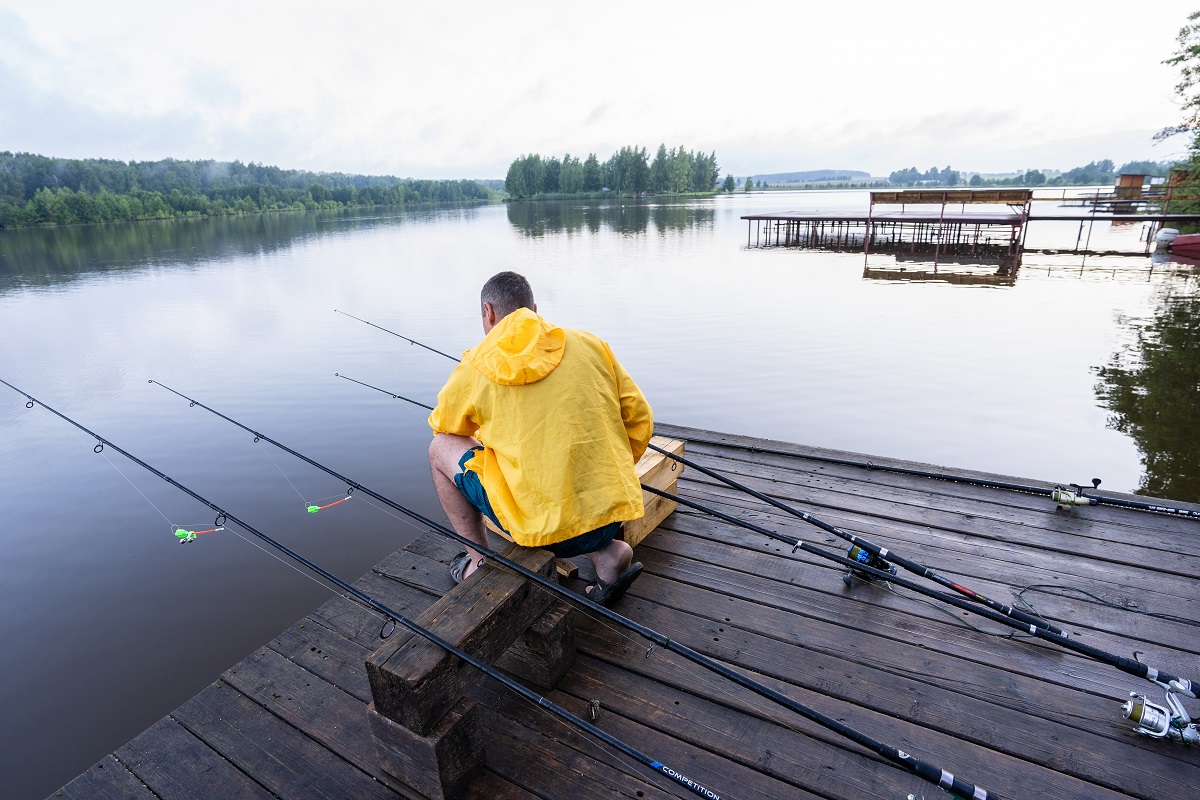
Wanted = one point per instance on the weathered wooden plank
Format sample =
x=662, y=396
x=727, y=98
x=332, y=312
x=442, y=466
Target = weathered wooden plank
x=1106, y=625
x=1048, y=662
x=734, y=446
x=175, y=765
x=285, y=761
x=414, y=681
x=540, y=765
x=1158, y=530
x=660, y=472
x=107, y=779
x=765, y=746
x=964, y=663
x=799, y=588
x=841, y=695
x=1051, y=534
x=329, y=715
x=355, y=621
x=972, y=541
x=918, y=678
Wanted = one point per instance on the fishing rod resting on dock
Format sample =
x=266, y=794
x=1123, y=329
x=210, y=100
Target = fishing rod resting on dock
x=922, y=769
x=1065, y=496
x=224, y=517
x=1149, y=718
x=866, y=558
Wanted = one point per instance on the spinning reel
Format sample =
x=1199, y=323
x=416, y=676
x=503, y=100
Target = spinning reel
x=1073, y=496
x=1159, y=722
x=856, y=553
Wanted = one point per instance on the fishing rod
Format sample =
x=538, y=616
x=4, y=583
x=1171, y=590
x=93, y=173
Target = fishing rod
x=922, y=769
x=866, y=557
x=1148, y=717
x=1068, y=496
x=393, y=333
x=224, y=517
x=861, y=551
x=866, y=552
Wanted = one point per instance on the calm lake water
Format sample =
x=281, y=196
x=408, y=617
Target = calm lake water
x=108, y=624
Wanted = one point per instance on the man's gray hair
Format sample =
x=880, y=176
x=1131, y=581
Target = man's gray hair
x=506, y=292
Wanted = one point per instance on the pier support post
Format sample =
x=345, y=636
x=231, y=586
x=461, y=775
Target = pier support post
x=427, y=733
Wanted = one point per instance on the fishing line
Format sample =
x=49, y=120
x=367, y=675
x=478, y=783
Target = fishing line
x=916, y=766
x=224, y=516
x=263, y=450
x=1127, y=606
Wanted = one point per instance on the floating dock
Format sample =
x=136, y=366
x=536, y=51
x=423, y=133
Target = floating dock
x=1019, y=717
x=934, y=229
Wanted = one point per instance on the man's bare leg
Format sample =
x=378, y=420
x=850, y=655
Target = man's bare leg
x=444, y=452
x=612, y=560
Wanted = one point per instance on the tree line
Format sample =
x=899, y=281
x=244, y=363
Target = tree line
x=627, y=171
x=37, y=190
x=1092, y=173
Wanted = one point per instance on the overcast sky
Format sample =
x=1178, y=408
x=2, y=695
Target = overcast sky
x=448, y=90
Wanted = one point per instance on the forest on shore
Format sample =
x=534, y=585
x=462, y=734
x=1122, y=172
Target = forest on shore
x=42, y=190
x=627, y=171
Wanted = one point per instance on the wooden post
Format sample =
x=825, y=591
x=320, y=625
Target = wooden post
x=427, y=734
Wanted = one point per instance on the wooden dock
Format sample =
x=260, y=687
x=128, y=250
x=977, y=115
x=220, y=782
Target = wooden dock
x=1021, y=718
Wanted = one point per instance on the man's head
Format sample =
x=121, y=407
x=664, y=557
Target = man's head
x=503, y=294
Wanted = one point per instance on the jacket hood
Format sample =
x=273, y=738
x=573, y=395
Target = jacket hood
x=522, y=348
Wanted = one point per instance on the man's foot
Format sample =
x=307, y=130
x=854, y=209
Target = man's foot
x=463, y=566
x=604, y=593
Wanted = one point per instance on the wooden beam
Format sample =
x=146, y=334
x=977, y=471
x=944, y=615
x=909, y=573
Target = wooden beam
x=414, y=682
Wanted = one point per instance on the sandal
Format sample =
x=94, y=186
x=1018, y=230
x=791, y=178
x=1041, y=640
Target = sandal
x=604, y=593
x=459, y=564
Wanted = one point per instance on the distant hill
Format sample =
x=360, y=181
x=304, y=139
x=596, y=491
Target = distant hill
x=812, y=175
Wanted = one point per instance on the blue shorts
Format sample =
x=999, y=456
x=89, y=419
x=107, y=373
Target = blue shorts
x=468, y=483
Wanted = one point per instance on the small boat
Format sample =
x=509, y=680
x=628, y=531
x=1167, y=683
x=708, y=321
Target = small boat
x=1186, y=244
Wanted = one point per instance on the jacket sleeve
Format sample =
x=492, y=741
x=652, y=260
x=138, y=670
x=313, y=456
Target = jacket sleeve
x=635, y=411
x=455, y=411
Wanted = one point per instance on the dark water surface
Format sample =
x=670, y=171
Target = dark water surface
x=1077, y=369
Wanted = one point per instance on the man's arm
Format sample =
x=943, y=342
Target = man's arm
x=455, y=411
x=635, y=410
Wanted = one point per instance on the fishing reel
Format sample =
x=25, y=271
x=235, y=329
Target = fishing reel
x=856, y=553
x=1073, y=496
x=1161, y=722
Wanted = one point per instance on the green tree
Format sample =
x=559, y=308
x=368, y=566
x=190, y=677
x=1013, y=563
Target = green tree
x=593, y=174
x=570, y=177
x=660, y=170
x=749, y=184
x=1187, y=60
x=730, y=183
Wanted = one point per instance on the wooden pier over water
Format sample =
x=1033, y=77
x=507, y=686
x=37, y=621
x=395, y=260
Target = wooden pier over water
x=1020, y=718
x=934, y=229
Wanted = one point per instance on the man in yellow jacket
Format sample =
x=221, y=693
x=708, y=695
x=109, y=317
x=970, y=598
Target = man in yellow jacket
x=539, y=428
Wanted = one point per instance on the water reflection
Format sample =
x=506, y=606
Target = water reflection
x=542, y=217
x=1152, y=388
x=960, y=270
x=53, y=255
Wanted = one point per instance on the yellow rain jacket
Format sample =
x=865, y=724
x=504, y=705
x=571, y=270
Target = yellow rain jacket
x=561, y=423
